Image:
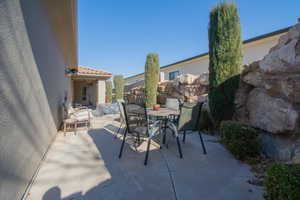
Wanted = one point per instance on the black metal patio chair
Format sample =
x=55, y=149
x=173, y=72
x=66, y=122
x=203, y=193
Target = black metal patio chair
x=187, y=121
x=140, y=128
x=122, y=116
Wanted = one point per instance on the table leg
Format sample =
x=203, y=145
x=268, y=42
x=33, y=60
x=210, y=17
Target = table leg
x=165, y=130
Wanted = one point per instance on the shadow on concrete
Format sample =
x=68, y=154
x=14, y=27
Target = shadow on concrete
x=129, y=178
x=211, y=177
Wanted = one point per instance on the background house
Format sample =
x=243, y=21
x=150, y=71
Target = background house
x=253, y=49
x=88, y=86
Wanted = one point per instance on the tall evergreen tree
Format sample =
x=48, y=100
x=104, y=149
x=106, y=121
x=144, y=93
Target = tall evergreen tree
x=225, y=50
x=152, y=70
x=108, y=91
x=119, y=86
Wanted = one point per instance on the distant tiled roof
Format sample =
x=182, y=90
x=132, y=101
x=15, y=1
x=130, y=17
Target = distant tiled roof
x=90, y=71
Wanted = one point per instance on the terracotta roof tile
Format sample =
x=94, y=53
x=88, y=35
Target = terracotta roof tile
x=90, y=71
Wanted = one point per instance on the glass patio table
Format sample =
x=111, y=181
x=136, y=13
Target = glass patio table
x=163, y=115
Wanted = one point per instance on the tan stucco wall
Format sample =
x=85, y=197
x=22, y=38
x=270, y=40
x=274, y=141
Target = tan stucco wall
x=32, y=89
x=101, y=91
x=252, y=51
x=95, y=91
x=92, y=92
x=257, y=50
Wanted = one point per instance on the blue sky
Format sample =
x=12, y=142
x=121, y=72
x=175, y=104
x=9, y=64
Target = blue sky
x=116, y=35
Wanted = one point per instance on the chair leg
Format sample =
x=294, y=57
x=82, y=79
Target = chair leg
x=179, y=147
x=202, y=143
x=123, y=142
x=164, y=138
x=165, y=131
x=138, y=138
x=147, y=152
x=183, y=139
x=120, y=127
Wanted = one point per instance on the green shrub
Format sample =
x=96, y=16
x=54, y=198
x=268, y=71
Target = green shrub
x=108, y=91
x=222, y=106
x=119, y=86
x=283, y=182
x=151, y=79
x=225, y=50
x=241, y=140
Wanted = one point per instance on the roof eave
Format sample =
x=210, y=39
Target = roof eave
x=260, y=37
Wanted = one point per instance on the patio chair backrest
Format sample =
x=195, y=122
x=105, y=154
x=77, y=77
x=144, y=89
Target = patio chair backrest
x=143, y=118
x=126, y=117
x=189, y=117
x=172, y=103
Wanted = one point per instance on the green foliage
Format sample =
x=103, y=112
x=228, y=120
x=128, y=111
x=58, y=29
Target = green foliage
x=241, y=140
x=151, y=79
x=283, y=182
x=108, y=91
x=119, y=86
x=205, y=122
x=222, y=98
x=225, y=52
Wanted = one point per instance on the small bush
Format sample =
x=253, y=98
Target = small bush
x=283, y=182
x=241, y=140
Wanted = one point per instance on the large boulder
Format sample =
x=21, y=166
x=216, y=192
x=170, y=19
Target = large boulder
x=240, y=101
x=285, y=56
x=269, y=92
x=272, y=114
x=252, y=75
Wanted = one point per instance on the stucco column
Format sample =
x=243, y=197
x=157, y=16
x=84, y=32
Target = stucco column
x=101, y=91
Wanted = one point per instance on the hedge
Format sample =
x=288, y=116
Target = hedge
x=241, y=140
x=283, y=182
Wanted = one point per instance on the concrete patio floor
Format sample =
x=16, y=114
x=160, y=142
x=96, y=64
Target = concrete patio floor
x=86, y=167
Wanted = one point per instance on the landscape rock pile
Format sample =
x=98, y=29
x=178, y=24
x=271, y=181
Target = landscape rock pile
x=187, y=87
x=269, y=97
x=269, y=93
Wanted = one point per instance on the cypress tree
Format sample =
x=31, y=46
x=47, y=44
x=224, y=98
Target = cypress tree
x=119, y=86
x=225, y=50
x=108, y=91
x=152, y=70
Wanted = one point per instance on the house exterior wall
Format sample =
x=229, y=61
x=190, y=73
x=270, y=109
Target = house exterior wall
x=91, y=92
x=101, y=91
x=33, y=86
x=257, y=50
x=252, y=51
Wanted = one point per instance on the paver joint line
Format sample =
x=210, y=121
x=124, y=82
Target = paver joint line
x=170, y=174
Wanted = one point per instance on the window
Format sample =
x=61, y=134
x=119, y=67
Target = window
x=173, y=75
